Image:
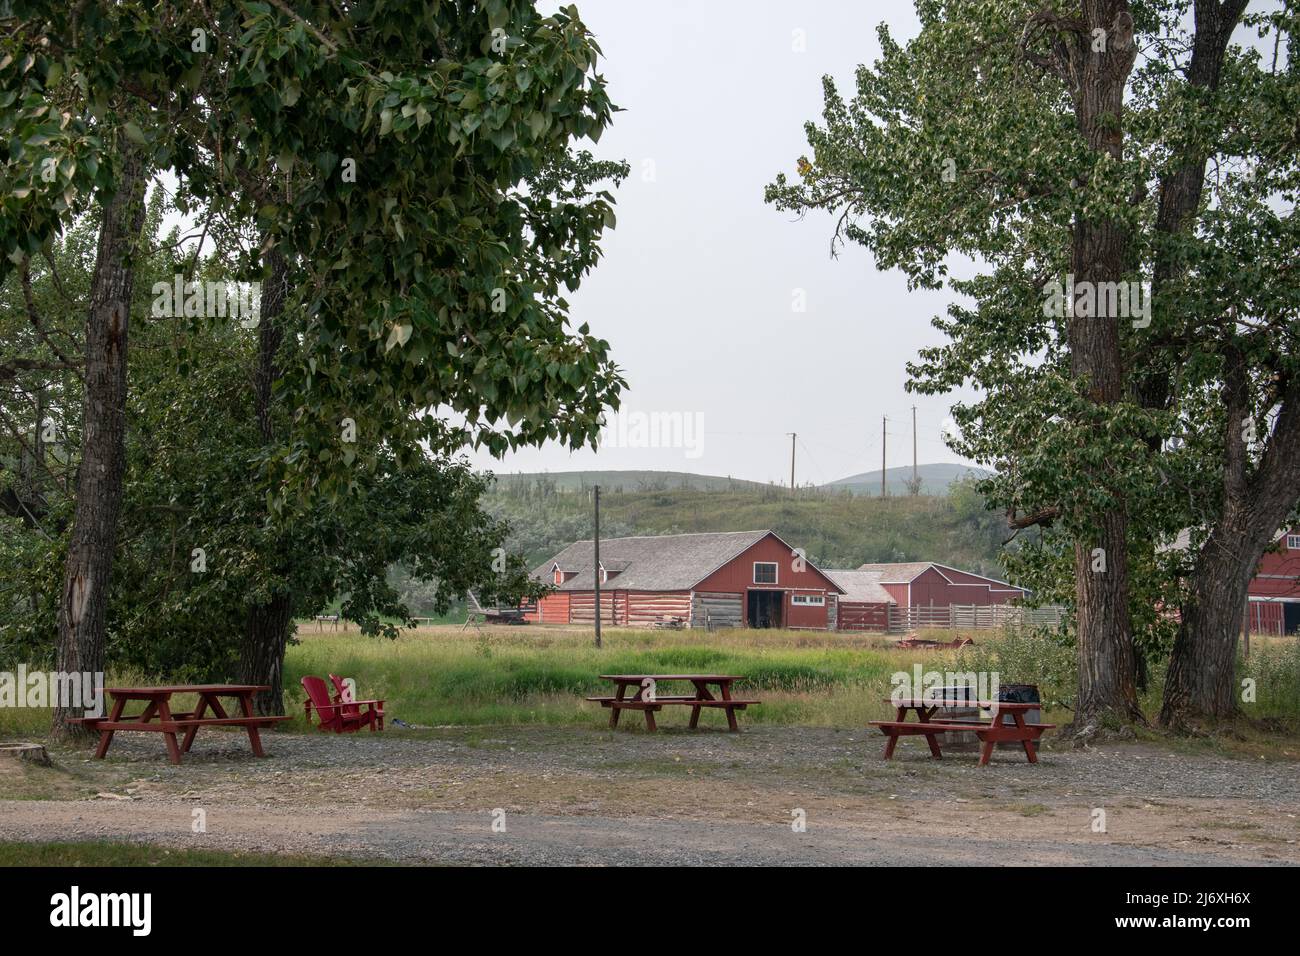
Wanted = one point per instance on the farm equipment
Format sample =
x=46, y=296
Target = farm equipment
x=480, y=615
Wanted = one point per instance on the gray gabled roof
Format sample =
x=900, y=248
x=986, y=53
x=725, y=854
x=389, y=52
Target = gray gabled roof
x=905, y=572
x=860, y=586
x=669, y=562
x=899, y=572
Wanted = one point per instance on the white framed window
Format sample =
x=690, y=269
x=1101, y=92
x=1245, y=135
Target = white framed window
x=813, y=600
x=1293, y=542
x=765, y=572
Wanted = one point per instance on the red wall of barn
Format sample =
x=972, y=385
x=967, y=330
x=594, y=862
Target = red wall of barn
x=550, y=609
x=929, y=588
x=898, y=592
x=738, y=574
x=1278, y=574
x=737, y=577
x=1264, y=617
x=982, y=592
x=805, y=615
x=932, y=587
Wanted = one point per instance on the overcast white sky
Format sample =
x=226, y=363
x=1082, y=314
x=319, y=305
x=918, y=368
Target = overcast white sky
x=695, y=292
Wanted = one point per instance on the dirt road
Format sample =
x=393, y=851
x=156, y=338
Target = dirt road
x=772, y=795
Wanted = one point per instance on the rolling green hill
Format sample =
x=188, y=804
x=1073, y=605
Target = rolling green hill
x=835, y=527
x=935, y=479
x=623, y=481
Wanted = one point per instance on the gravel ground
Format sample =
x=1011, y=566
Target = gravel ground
x=587, y=796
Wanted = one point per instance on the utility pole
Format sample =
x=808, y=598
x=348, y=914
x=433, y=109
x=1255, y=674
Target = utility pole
x=916, y=485
x=793, y=436
x=884, y=420
x=595, y=571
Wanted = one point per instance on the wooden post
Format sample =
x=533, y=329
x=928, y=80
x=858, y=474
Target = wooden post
x=595, y=571
x=883, y=439
x=916, y=485
x=792, y=439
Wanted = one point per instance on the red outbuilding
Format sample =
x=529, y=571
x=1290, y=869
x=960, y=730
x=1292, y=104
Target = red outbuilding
x=717, y=579
x=927, y=584
x=881, y=597
x=1273, y=601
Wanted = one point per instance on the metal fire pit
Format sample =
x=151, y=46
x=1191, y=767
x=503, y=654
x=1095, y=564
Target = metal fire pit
x=959, y=706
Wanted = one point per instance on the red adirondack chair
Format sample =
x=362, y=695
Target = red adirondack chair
x=331, y=713
x=351, y=707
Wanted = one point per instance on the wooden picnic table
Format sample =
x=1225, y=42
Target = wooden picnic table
x=990, y=733
x=649, y=701
x=157, y=716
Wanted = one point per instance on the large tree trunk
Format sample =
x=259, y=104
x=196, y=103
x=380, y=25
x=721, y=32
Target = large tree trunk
x=261, y=658
x=84, y=599
x=1201, y=683
x=1180, y=193
x=1100, y=254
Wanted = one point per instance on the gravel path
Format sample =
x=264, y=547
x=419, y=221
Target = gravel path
x=586, y=796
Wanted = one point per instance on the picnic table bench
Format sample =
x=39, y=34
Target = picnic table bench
x=157, y=716
x=649, y=701
x=990, y=733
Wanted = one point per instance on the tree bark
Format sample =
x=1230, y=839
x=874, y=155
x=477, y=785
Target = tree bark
x=266, y=634
x=1100, y=254
x=1201, y=683
x=84, y=599
x=261, y=658
x=1209, y=601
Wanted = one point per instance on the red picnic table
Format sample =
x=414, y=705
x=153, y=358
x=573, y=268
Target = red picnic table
x=648, y=700
x=157, y=717
x=989, y=733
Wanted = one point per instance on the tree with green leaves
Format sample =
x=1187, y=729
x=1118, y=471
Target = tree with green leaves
x=196, y=545
x=408, y=171
x=1098, y=149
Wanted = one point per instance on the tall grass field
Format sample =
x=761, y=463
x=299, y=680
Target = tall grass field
x=442, y=676
x=538, y=675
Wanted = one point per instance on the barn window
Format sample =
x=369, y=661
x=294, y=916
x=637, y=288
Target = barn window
x=1293, y=542
x=765, y=572
x=814, y=600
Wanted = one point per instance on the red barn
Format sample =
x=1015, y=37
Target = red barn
x=1273, y=601
x=926, y=584
x=877, y=596
x=865, y=605
x=719, y=579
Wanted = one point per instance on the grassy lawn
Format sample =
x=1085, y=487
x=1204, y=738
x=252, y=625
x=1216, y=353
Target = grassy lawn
x=106, y=853
x=441, y=675
x=529, y=675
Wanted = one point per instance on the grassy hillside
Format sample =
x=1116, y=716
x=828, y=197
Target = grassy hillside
x=935, y=479
x=836, y=529
x=623, y=481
